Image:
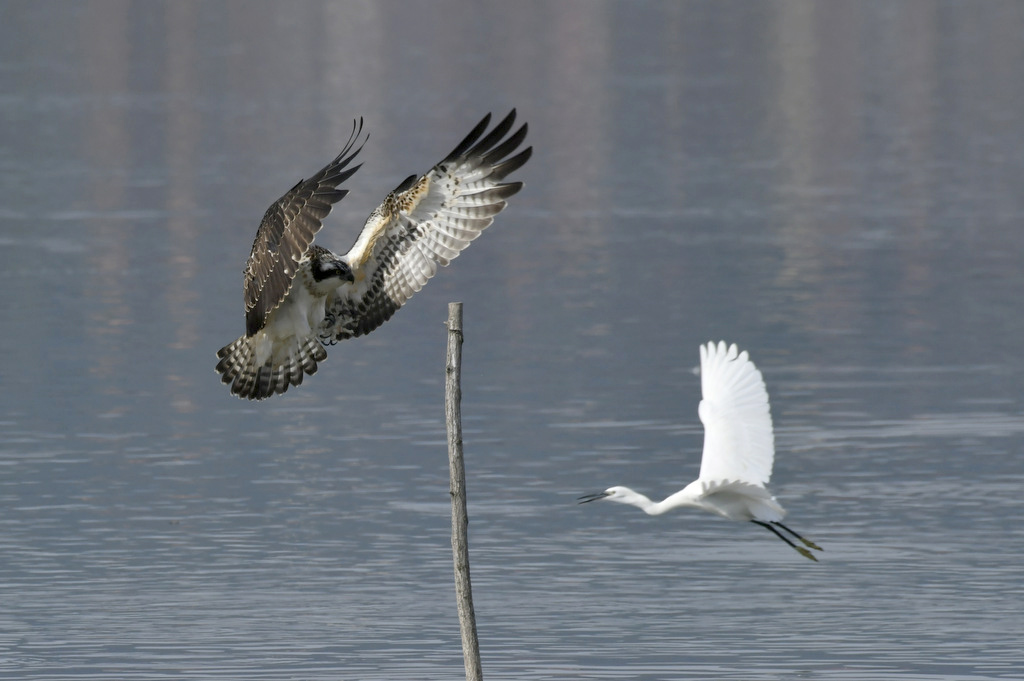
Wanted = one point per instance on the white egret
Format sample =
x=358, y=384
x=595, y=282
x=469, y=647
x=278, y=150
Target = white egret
x=739, y=450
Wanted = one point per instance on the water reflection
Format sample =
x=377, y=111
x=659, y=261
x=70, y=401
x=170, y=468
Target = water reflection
x=837, y=186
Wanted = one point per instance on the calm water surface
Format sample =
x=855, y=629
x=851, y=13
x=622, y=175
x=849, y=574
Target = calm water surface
x=837, y=187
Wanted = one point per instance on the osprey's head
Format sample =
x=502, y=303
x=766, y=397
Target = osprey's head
x=325, y=265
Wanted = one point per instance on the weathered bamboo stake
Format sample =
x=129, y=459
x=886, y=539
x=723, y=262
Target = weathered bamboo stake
x=457, y=488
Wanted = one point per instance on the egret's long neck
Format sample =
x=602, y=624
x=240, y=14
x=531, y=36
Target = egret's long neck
x=643, y=503
x=682, y=498
x=627, y=496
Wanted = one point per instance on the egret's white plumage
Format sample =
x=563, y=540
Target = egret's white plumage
x=739, y=449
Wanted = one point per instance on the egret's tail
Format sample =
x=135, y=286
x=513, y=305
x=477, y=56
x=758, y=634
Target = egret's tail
x=240, y=367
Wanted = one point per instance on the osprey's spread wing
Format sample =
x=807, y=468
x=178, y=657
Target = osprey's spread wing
x=286, y=232
x=425, y=222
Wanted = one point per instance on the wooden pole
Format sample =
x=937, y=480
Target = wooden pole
x=457, y=488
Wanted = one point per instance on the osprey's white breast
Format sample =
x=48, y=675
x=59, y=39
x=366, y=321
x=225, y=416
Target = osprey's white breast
x=299, y=313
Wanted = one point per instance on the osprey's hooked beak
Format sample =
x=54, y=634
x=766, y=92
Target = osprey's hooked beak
x=345, y=272
x=594, y=496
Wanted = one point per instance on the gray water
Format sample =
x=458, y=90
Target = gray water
x=837, y=187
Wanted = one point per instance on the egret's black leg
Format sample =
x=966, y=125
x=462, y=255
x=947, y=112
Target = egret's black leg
x=806, y=541
x=799, y=549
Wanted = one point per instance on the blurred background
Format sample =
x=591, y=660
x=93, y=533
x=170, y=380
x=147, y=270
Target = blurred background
x=836, y=187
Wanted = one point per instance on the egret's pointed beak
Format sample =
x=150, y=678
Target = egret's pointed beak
x=594, y=496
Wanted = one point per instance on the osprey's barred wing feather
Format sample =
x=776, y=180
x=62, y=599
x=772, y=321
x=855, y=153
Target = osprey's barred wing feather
x=280, y=345
x=286, y=232
x=425, y=222
x=297, y=293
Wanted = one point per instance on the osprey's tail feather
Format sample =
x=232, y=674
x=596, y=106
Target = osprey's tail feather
x=239, y=366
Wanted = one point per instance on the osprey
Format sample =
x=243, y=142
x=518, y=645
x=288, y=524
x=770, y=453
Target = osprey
x=300, y=297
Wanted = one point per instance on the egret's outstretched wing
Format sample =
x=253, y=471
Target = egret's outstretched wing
x=425, y=222
x=738, y=441
x=287, y=230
